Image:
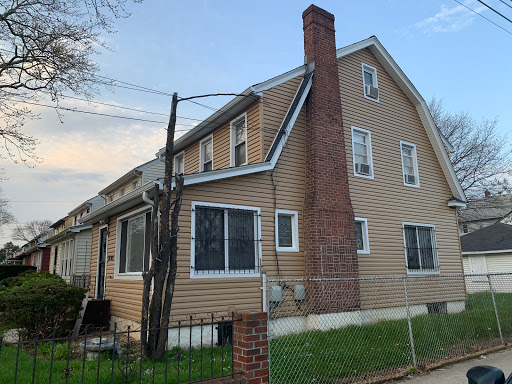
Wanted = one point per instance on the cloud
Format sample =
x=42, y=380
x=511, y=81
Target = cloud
x=450, y=19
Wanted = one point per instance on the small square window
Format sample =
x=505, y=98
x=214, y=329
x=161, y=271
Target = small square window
x=370, y=84
x=179, y=164
x=362, y=153
x=206, y=150
x=362, y=243
x=409, y=165
x=287, y=231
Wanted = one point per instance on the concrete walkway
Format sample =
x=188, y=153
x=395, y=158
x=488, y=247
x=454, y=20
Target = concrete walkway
x=456, y=374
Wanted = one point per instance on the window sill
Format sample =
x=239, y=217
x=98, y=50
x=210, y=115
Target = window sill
x=370, y=177
x=222, y=275
x=287, y=249
x=412, y=185
x=371, y=98
x=128, y=276
x=415, y=272
x=363, y=252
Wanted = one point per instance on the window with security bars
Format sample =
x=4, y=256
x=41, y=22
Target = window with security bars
x=225, y=240
x=239, y=141
x=420, y=248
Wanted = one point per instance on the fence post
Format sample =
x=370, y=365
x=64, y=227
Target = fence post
x=411, y=338
x=495, y=309
x=264, y=290
x=250, y=347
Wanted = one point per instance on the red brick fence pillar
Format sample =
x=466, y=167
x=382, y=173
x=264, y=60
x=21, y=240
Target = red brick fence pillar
x=250, y=347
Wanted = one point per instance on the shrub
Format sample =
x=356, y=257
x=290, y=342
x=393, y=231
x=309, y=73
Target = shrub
x=14, y=270
x=40, y=302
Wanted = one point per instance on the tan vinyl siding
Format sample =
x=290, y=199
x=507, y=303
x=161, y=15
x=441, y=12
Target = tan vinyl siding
x=221, y=143
x=276, y=102
x=384, y=201
x=127, y=188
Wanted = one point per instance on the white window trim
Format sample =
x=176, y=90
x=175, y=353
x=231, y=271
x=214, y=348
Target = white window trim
x=126, y=275
x=405, y=249
x=369, y=68
x=295, y=230
x=232, y=138
x=366, y=239
x=201, y=162
x=415, y=160
x=193, y=243
x=369, y=154
x=182, y=153
x=98, y=259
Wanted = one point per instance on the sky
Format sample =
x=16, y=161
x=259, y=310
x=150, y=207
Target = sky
x=198, y=47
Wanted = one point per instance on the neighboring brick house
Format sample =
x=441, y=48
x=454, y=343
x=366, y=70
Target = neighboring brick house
x=333, y=169
x=480, y=213
x=35, y=253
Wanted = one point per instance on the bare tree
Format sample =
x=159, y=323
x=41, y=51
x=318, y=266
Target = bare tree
x=164, y=248
x=31, y=230
x=6, y=216
x=45, y=50
x=481, y=152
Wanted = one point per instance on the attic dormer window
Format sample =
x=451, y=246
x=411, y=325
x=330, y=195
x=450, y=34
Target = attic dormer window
x=179, y=163
x=370, y=84
x=239, y=141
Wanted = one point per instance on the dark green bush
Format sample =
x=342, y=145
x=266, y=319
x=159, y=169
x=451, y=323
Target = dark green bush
x=13, y=270
x=40, y=302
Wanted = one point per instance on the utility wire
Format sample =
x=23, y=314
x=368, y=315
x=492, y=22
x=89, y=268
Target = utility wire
x=508, y=5
x=495, y=11
x=490, y=21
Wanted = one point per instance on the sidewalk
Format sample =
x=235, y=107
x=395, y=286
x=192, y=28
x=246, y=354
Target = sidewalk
x=456, y=374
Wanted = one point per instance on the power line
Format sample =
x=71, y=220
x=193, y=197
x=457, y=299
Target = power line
x=490, y=21
x=508, y=5
x=495, y=11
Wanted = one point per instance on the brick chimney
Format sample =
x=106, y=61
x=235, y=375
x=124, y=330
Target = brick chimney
x=329, y=228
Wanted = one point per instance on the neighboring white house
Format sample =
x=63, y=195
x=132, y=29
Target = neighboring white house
x=487, y=250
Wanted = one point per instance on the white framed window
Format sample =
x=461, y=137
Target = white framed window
x=362, y=242
x=66, y=259
x=179, y=163
x=287, y=231
x=370, y=83
x=121, y=192
x=409, y=164
x=134, y=186
x=133, y=244
x=420, y=248
x=225, y=240
x=111, y=198
x=238, y=141
x=206, y=154
x=362, y=152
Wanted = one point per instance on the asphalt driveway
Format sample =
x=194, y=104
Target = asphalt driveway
x=456, y=374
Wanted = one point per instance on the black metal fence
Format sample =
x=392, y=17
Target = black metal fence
x=197, y=349
x=82, y=281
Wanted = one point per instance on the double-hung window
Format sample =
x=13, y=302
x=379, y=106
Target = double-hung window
x=287, y=231
x=370, y=84
x=362, y=152
x=133, y=248
x=206, y=154
x=239, y=141
x=179, y=163
x=409, y=164
x=420, y=248
x=225, y=240
x=66, y=259
x=362, y=243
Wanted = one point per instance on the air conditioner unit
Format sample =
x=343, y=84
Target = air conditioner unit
x=363, y=169
x=410, y=179
x=372, y=91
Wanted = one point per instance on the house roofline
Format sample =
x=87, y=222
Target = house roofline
x=466, y=253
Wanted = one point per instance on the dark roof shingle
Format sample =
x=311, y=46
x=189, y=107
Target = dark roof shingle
x=495, y=237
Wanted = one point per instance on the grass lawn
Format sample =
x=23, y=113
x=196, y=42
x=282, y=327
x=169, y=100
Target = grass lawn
x=354, y=351
x=102, y=372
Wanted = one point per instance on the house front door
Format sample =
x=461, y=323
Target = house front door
x=102, y=257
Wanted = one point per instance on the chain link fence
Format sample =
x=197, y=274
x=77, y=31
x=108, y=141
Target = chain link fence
x=366, y=329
